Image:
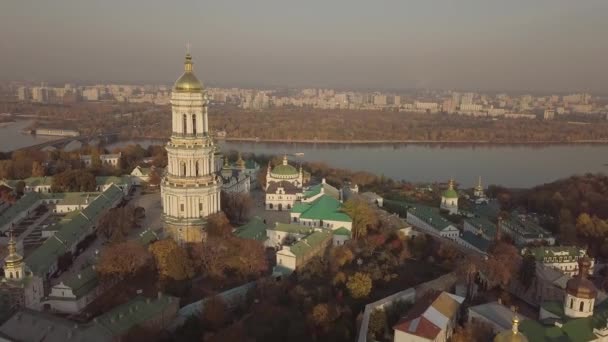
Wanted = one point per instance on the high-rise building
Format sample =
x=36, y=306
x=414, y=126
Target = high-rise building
x=190, y=191
x=23, y=93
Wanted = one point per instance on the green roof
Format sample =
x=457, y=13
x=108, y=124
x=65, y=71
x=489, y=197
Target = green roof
x=24, y=203
x=70, y=231
x=554, y=306
x=136, y=311
x=82, y=282
x=450, y=193
x=291, y=228
x=570, y=252
x=431, y=216
x=326, y=208
x=316, y=189
x=284, y=170
x=255, y=229
x=300, y=207
x=147, y=236
x=487, y=227
x=309, y=244
x=342, y=231
x=75, y=198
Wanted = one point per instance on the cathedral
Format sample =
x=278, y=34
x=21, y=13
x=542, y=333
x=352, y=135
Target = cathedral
x=190, y=190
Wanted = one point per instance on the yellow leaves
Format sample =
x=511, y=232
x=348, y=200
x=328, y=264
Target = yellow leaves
x=172, y=261
x=359, y=285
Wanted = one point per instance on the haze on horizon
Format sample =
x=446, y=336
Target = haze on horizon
x=516, y=45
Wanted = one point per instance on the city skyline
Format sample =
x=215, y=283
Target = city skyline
x=546, y=46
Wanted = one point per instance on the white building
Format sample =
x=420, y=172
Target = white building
x=190, y=190
x=283, y=186
x=561, y=258
x=112, y=160
x=430, y=220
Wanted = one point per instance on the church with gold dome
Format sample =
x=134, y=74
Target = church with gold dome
x=190, y=189
x=19, y=287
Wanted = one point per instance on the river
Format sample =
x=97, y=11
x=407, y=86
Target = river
x=11, y=137
x=508, y=165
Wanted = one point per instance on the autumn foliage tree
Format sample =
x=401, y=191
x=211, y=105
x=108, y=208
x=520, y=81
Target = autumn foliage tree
x=218, y=225
x=363, y=216
x=172, y=261
x=359, y=285
x=236, y=206
x=116, y=223
x=122, y=259
x=214, y=313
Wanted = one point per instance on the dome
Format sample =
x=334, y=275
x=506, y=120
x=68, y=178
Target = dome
x=188, y=83
x=450, y=192
x=285, y=169
x=579, y=286
x=512, y=335
x=13, y=257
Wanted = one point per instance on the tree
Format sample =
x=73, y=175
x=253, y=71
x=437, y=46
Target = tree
x=341, y=255
x=215, y=312
x=527, y=270
x=377, y=324
x=359, y=285
x=218, y=225
x=95, y=159
x=502, y=263
x=154, y=179
x=37, y=169
x=362, y=214
x=122, y=259
x=172, y=261
x=116, y=223
x=473, y=331
x=236, y=206
x=320, y=315
x=73, y=181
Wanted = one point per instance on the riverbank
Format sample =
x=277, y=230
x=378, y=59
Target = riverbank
x=415, y=142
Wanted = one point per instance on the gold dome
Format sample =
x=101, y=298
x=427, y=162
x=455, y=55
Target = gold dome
x=13, y=257
x=512, y=335
x=188, y=83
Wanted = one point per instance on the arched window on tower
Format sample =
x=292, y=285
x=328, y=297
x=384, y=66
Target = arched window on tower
x=194, y=124
x=183, y=169
x=582, y=306
x=185, y=124
x=196, y=168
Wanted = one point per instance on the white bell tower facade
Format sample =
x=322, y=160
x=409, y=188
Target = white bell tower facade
x=189, y=190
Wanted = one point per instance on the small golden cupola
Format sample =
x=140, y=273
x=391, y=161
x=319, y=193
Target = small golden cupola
x=512, y=335
x=13, y=263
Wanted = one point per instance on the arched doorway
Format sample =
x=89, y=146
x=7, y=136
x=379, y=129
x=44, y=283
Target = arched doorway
x=280, y=207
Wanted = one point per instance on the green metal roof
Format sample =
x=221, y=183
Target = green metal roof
x=327, y=189
x=431, y=216
x=82, y=282
x=136, y=311
x=342, y=231
x=255, y=229
x=24, y=203
x=285, y=170
x=300, y=207
x=309, y=244
x=326, y=208
x=488, y=227
x=41, y=259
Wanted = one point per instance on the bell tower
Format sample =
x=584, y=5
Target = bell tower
x=189, y=189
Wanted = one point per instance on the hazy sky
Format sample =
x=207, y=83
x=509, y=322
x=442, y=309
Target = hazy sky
x=544, y=45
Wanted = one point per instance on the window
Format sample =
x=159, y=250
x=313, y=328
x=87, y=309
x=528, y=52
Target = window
x=582, y=306
x=184, y=124
x=196, y=166
x=194, y=124
x=183, y=169
x=571, y=303
x=181, y=207
x=200, y=207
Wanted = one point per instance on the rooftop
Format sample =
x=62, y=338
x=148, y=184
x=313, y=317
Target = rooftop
x=325, y=208
x=430, y=215
x=255, y=229
x=309, y=244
